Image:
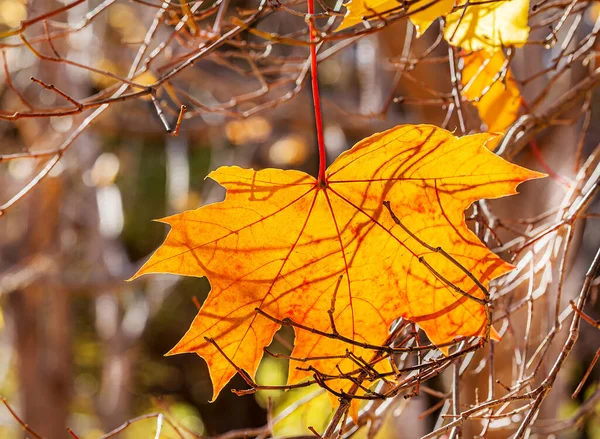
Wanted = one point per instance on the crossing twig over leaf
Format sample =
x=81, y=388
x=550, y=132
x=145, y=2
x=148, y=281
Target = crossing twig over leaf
x=389, y=219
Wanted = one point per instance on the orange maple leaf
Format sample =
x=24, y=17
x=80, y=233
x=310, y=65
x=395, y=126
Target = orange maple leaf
x=281, y=241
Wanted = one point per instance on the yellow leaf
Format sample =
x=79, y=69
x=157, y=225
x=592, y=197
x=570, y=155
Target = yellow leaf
x=146, y=78
x=497, y=99
x=488, y=26
x=426, y=14
x=12, y=12
x=422, y=13
x=312, y=413
x=281, y=242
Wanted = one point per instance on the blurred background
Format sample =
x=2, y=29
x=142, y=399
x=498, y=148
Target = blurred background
x=86, y=165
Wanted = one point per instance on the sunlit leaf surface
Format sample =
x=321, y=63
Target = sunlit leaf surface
x=285, y=244
x=488, y=25
x=488, y=82
x=422, y=13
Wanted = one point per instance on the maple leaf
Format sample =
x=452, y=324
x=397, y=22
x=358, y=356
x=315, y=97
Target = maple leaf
x=422, y=13
x=292, y=247
x=496, y=97
x=489, y=25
